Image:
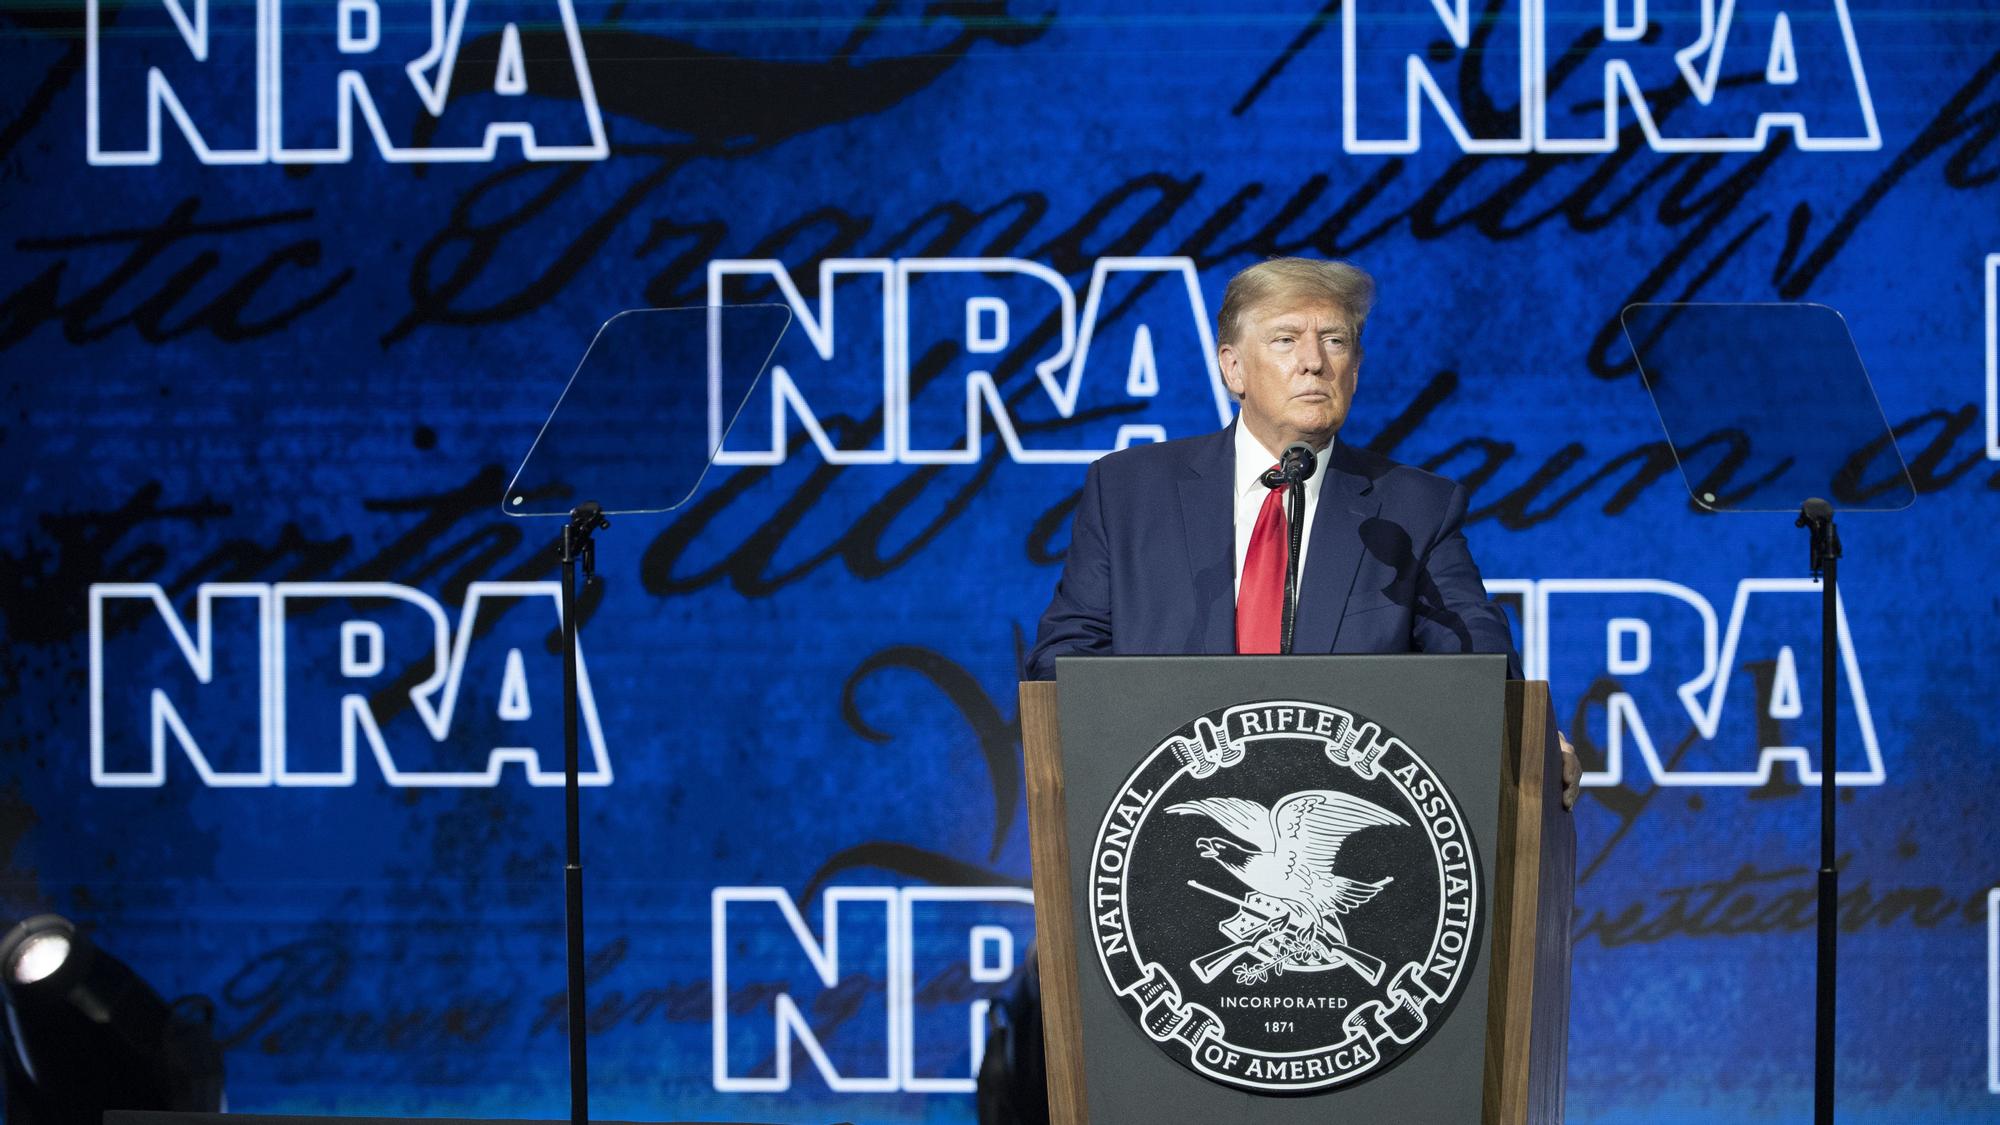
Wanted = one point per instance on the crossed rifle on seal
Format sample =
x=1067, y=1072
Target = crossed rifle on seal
x=1291, y=918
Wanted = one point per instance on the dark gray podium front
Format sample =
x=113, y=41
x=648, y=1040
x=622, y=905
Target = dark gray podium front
x=1299, y=888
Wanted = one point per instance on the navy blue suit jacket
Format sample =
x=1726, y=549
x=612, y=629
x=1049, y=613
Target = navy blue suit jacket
x=1151, y=568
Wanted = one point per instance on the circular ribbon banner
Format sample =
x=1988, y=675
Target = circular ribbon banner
x=1285, y=897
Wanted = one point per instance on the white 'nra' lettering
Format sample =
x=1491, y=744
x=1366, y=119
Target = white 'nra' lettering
x=279, y=81
x=283, y=684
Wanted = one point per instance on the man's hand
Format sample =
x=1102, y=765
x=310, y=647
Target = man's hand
x=1572, y=772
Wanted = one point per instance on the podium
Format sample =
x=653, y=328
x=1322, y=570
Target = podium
x=1295, y=888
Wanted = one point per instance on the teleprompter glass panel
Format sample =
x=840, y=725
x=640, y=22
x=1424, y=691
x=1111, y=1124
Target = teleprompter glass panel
x=647, y=409
x=1767, y=405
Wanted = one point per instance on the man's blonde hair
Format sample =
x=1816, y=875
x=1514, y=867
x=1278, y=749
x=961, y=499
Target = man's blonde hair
x=1288, y=279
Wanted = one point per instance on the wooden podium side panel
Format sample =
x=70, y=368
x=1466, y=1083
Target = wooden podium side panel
x=1055, y=927
x=1527, y=1038
x=1554, y=932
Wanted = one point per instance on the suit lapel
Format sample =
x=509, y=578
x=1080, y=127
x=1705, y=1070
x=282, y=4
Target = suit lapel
x=1208, y=520
x=1334, y=556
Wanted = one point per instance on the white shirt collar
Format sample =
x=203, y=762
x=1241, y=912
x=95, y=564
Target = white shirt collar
x=1253, y=460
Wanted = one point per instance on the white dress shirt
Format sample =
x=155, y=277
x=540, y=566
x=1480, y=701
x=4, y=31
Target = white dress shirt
x=1252, y=462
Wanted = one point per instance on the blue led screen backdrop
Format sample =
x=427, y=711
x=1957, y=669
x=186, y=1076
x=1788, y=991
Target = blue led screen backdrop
x=286, y=289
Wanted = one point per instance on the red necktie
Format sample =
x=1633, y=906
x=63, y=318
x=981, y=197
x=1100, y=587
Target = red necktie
x=1260, y=599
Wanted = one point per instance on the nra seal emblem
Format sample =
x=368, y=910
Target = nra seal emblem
x=1285, y=897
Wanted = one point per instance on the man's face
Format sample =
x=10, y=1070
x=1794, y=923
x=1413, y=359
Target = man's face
x=1293, y=365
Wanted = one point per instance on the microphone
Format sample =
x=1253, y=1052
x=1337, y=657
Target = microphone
x=1295, y=465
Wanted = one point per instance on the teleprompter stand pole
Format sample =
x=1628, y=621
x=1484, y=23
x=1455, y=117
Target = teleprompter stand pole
x=584, y=520
x=1817, y=515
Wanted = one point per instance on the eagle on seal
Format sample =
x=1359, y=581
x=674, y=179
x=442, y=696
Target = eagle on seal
x=1290, y=857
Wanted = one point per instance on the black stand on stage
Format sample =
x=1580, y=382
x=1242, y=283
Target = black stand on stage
x=577, y=546
x=1781, y=385
x=637, y=427
x=1817, y=515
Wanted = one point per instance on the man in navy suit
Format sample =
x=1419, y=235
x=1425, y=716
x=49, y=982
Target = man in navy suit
x=1166, y=535
x=1162, y=532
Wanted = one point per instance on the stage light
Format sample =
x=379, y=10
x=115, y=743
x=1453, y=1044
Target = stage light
x=86, y=1034
x=38, y=956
